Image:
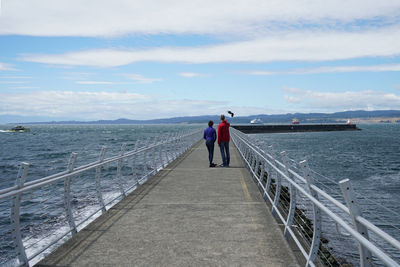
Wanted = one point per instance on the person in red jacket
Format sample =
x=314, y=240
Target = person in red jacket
x=223, y=141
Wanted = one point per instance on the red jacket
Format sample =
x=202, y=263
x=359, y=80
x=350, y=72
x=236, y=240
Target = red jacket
x=223, y=132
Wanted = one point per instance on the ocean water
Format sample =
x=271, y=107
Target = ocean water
x=370, y=158
x=47, y=148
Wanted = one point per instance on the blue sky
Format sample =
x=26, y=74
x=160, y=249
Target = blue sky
x=90, y=60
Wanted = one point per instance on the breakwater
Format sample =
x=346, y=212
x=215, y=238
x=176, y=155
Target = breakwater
x=256, y=129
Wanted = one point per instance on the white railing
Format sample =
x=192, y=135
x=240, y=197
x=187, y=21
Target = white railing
x=45, y=212
x=270, y=173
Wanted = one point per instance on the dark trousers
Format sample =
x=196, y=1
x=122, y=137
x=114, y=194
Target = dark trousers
x=226, y=157
x=210, y=148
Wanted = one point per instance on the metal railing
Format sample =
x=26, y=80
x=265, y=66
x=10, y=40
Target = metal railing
x=270, y=174
x=45, y=212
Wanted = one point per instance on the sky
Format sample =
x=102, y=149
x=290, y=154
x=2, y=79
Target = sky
x=94, y=59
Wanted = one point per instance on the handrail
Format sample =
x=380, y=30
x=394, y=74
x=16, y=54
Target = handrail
x=156, y=154
x=62, y=175
x=249, y=151
x=338, y=204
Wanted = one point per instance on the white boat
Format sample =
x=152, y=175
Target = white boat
x=17, y=129
x=256, y=121
x=295, y=121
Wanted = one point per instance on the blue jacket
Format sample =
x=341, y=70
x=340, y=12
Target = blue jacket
x=210, y=134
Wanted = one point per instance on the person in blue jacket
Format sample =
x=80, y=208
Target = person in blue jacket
x=210, y=136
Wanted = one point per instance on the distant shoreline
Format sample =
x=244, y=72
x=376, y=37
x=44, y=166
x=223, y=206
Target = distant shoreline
x=359, y=117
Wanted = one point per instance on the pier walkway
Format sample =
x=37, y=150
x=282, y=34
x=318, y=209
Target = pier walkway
x=186, y=215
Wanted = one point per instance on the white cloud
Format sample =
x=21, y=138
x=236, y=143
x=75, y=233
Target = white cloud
x=192, y=74
x=69, y=104
x=349, y=100
x=136, y=78
x=24, y=87
x=292, y=99
x=106, y=105
x=15, y=77
x=12, y=82
x=372, y=68
x=4, y=66
x=93, y=82
x=76, y=75
x=330, y=69
x=296, y=46
x=121, y=17
x=140, y=78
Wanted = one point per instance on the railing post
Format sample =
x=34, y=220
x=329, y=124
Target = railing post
x=15, y=216
x=262, y=173
x=167, y=148
x=134, y=174
x=355, y=211
x=188, y=142
x=171, y=146
x=155, y=155
x=178, y=144
x=253, y=160
x=119, y=168
x=270, y=170
x=181, y=143
x=268, y=183
x=248, y=157
x=145, y=169
x=176, y=147
x=240, y=147
x=317, y=215
x=292, y=191
x=245, y=156
x=160, y=149
x=278, y=185
x=256, y=168
x=98, y=178
x=150, y=156
x=67, y=194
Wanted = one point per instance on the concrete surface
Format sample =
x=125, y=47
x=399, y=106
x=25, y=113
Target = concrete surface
x=186, y=215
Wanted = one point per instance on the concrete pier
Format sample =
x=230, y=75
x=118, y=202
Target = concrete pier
x=294, y=128
x=186, y=215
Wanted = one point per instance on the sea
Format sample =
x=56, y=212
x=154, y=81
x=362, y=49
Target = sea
x=47, y=150
x=370, y=158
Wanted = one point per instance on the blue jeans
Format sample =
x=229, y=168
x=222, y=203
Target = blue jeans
x=226, y=157
x=210, y=148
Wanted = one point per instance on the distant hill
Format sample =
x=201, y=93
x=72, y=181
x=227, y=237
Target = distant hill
x=195, y=119
x=338, y=117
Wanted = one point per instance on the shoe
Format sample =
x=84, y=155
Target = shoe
x=221, y=165
x=212, y=165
